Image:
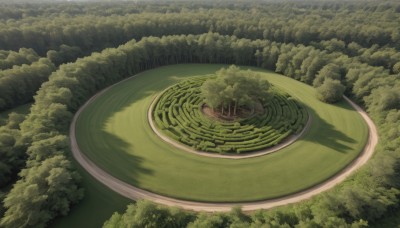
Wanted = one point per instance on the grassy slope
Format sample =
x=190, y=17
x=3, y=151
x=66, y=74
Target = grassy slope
x=113, y=131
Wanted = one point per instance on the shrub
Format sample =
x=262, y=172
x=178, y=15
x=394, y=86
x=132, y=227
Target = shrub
x=330, y=91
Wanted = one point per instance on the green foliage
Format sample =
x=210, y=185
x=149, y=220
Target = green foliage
x=103, y=25
x=175, y=114
x=44, y=191
x=11, y=154
x=65, y=54
x=2, y=209
x=330, y=91
x=85, y=77
x=19, y=84
x=207, y=220
x=147, y=214
x=384, y=98
x=45, y=148
x=137, y=216
x=340, y=33
x=396, y=68
x=9, y=59
x=333, y=45
x=331, y=71
x=235, y=88
x=12, y=148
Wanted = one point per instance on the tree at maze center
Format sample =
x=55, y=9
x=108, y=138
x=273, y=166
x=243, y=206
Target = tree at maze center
x=235, y=89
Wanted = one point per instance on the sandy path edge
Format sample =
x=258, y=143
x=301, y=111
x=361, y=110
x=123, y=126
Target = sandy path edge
x=135, y=193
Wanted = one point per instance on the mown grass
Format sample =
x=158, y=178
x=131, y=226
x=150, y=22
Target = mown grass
x=114, y=132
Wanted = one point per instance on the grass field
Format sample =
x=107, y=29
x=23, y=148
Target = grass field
x=114, y=133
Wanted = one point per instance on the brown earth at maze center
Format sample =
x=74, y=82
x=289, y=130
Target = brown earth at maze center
x=241, y=113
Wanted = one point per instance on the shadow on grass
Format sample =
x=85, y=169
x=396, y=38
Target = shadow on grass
x=326, y=134
x=118, y=148
x=127, y=165
x=344, y=105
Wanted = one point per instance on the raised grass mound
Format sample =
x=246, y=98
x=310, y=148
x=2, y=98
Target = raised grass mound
x=178, y=113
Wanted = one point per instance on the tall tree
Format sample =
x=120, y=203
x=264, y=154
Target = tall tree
x=43, y=192
x=233, y=88
x=330, y=91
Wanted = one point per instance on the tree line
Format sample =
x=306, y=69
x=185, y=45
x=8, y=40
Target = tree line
x=23, y=72
x=20, y=83
x=46, y=27
x=9, y=59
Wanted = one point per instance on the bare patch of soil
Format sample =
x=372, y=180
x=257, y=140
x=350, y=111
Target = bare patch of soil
x=241, y=113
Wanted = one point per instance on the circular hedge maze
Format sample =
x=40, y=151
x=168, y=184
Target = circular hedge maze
x=178, y=113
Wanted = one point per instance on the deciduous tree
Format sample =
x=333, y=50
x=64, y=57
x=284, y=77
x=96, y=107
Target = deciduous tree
x=330, y=91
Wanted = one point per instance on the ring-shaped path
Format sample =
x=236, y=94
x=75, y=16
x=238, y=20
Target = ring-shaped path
x=120, y=185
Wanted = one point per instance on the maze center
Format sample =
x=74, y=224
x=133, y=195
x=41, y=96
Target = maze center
x=179, y=114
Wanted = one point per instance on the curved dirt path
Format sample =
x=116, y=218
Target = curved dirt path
x=286, y=142
x=135, y=193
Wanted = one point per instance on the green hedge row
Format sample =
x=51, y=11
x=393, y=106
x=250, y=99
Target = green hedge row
x=179, y=115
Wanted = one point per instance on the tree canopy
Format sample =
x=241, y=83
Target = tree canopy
x=330, y=91
x=233, y=88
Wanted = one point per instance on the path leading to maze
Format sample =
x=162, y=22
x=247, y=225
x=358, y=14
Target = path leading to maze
x=135, y=193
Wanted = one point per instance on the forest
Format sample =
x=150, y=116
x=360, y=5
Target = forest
x=57, y=55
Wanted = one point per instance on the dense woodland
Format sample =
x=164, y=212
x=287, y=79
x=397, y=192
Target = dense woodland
x=60, y=54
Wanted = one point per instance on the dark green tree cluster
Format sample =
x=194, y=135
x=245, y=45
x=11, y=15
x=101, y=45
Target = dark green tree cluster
x=330, y=91
x=12, y=149
x=9, y=59
x=64, y=54
x=44, y=191
x=234, y=88
x=147, y=214
x=19, y=84
x=45, y=27
x=328, y=83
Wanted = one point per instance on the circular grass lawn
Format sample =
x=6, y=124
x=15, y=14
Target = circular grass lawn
x=113, y=131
